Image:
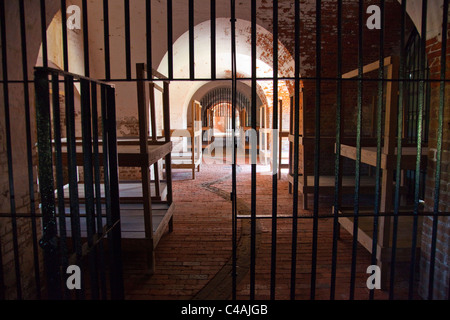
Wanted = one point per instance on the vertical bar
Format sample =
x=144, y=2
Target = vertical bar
x=296, y=149
x=337, y=161
x=26, y=91
x=166, y=106
x=438, y=148
x=213, y=39
x=426, y=113
x=2, y=281
x=154, y=132
x=191, y=41
x=227, y=122
x=48, y=241
x=412, y=88
x=148, y=19
x=12, y=200
x=409, y=98
x=275, y=154
x=152, y=111
x=127, y=39
x=44, y=34
x=280, y=138
x=233, y=165
x=227, y=115
x=142, y=108
x=358, y=150
x=64, y=35
x=419, y=147
x=417, y=89
x=72, y=167
x=106, y=39
x=401, y=110
x=170, y=39
x=88, y=182
x=115, y=234
x=145, y=173
x=98, y=196
x=379, y=138
x=105, y=151
x=253, y=156
x=414, y=71
x=59, y=177
x=316, y=150
x=85, y=39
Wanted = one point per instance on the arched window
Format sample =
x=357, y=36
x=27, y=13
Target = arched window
x=223, y=96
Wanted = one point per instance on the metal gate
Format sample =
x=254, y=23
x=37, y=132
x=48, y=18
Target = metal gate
x=88, y=235
x=75, y=234
x=406, y=79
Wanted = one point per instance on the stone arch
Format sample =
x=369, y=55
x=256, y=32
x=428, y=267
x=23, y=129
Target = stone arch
x=184, y=92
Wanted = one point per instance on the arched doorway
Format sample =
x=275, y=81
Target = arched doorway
x=217, y=103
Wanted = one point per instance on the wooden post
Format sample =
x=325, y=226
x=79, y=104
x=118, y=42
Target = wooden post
x=291, y=143
x=388, y=151
x=145, y=173
x=151, y=87
x=166, y=112
x=280, y=137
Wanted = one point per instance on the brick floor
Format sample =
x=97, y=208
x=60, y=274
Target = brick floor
x=200, y=246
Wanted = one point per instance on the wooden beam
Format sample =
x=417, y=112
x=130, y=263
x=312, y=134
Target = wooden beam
x=367, y=68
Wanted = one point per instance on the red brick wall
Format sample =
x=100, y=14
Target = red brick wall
x=442, y=261
x=329, y=62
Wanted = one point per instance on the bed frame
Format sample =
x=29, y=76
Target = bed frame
x=265, y=136
x=388, y=166
x=306, y=162
x=281, y=135
x=144, y=219
x=193, y=158
x=207, y=130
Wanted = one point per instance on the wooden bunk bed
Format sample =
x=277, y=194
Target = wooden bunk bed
x=306, y=163
x=281, y=135
x=144, y=219
x=245, y=134
x=243, y=120
x=193, y=158
x=208, y=129
x=326, y=182
x=388, y=166
x=130, y=190
x=265, y=135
